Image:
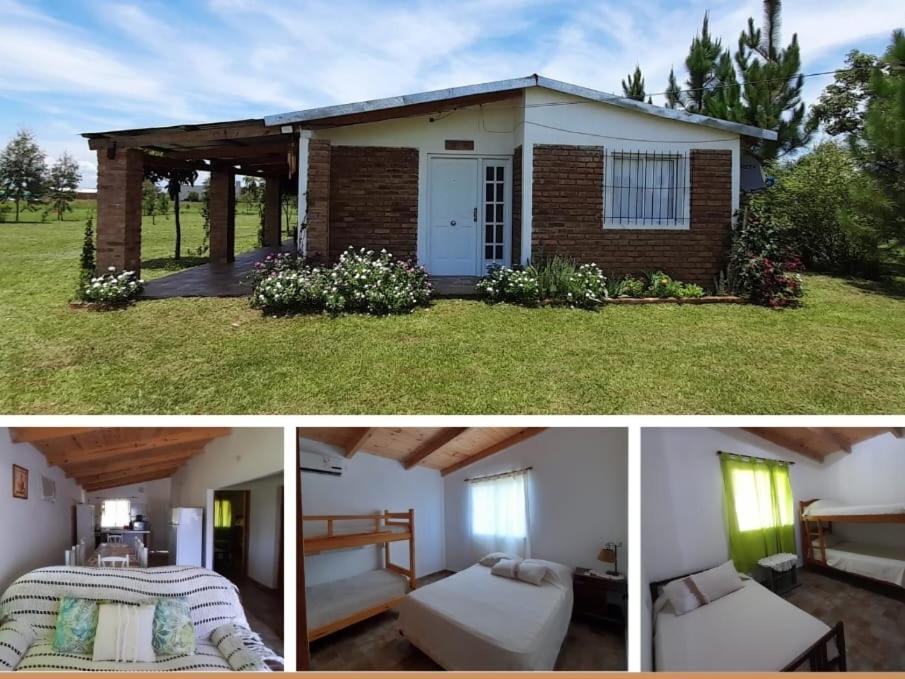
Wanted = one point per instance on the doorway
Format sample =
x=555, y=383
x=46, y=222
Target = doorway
x=231, y=538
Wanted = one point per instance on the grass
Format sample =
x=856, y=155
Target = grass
x=844, y=352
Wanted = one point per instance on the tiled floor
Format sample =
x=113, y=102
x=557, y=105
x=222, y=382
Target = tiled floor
x=874, y=622
x=375, y=644
x=264, y=611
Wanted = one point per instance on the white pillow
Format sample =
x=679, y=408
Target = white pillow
x=684, y=595
x=557, y=573
x=491, y=559
x=124, y=633
x=508, y=568
x=532, y=571
x=717, y=582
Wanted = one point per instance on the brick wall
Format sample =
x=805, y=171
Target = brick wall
x=374, y=199
x=318, y=198
x=517, y=205
x=222, y=206
x=119, y=209
x=568, y=209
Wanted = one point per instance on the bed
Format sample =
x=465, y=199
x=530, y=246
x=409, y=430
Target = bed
x=749, y=630
x=474, y=620
x=330, y=604
x=879, y=563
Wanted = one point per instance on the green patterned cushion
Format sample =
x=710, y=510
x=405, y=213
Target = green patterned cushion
x=76, y=626
x=174, y=633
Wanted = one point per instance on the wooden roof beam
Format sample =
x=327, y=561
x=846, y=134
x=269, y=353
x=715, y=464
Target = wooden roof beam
x=432, y=445
x=185, y=137
x=168, y=438
x=43, y=434
x=128, y=481
x=178, y=454
x=898, y=432
x=360, y=441
x=137, y=470
x=773, y=436
x=835, y=437
x=518, y=437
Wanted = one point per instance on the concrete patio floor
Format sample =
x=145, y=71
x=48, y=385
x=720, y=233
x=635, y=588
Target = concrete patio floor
x=230, y=280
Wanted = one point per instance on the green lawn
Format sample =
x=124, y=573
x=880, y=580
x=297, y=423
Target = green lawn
x=844, y=352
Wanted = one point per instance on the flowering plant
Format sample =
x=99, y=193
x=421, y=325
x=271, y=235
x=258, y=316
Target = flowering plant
x=773, y=284
x=554, y=280
x=661, y=285
x=509, y=284
x=112, y=289
x=361, y=281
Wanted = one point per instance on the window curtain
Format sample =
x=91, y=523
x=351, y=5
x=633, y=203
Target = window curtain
x=223, y=514
x=116, y=513
x=498, y=518
x=759, y=509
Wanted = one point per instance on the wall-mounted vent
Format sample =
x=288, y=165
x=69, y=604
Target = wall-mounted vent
x=316, y=463
x=48, y=489
x=459, y=145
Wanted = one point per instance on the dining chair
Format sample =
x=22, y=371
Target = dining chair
x=113, y=561
x=115, y=539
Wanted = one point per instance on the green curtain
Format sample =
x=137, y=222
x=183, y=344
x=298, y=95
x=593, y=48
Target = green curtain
x=759, y=509
x=223, y=514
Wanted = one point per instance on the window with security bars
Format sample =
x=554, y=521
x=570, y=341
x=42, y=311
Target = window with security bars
x=646, y=190
x=494, y=213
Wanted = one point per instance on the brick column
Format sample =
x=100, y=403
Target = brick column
x=223, y=214
x=319, y=198
x=273, y=193
x=119, y=209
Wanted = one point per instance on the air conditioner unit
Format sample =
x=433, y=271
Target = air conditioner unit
x=318, y=463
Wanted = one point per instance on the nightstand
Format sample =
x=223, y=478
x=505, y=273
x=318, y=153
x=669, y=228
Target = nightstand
x=599, y=599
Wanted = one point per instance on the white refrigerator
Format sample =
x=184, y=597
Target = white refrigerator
x=186, y=536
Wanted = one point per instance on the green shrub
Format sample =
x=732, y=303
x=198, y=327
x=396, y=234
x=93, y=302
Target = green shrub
x=510, y=284
x=112, y=290
x=361, y=281
x=87, y=265
x=555, y=280
x=661, y=285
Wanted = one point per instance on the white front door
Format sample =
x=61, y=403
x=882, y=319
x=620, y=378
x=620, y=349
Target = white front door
x=453, y=216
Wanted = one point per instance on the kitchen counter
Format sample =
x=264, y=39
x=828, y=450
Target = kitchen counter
x=144, y=535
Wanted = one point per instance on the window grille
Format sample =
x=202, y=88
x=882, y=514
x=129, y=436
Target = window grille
x=494, y=213
x=646, y=190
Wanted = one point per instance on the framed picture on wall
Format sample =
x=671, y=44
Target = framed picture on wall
x=20, y=482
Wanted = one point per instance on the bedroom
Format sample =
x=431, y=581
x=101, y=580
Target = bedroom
x=462, y=548
x=773, y=548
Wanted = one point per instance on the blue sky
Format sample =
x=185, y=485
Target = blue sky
x=84, y=65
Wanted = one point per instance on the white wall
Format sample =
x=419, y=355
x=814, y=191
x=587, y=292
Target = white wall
x=578, y=495
x=264, y=528
x=152, y=499
x=36, y=532
x=369, y=485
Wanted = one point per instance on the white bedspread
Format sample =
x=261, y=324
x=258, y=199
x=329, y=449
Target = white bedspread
x=750, y=630
x=332, y=601
x=879, y=562
x=834, y=508
x=477, y=621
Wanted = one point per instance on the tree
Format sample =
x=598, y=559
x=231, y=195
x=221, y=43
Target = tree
x=673, y=93
x=842, y=105
x=252, y=191
x=87, y=265
x=175, y=179
x=163, y=205
x=771, y=85
x=700, y=64
x=62, y=182
x=23, y=171
x=149, y=204
x=633, y=88
x=880, y=148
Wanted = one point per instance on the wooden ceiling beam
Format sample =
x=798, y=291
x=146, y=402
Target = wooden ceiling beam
x=43, y=434
x=773, y=435
x=167, y=438
x=139, y=469
x=128, y=481
x=898, y=432
x=432, y=445
x=360, y=441
x=167, y=163
x=174, y=454
x=835, y=437
x=518, y=437
x=185, y=137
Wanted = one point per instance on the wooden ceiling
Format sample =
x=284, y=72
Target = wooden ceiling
x=448, y=449
x=818, y=443
x=101, y=458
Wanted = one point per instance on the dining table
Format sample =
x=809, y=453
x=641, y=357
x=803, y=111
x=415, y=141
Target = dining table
x=114, y=549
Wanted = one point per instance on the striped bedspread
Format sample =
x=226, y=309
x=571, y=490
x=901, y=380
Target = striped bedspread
x=213, y=600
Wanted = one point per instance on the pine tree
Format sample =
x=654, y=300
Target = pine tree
x=673, y=93
x=23, y=171
x=700, y=64
x=633, y=87
x=62, y=182
x=771, y=85
x=87, y=264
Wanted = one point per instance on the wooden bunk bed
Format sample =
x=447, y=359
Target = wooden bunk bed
x=818, y=527
x=328, y=532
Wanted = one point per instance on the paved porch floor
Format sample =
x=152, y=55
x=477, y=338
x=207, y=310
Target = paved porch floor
x=211, y=280
x=229, y=280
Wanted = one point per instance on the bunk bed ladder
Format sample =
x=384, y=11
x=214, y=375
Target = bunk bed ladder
x=818, y=535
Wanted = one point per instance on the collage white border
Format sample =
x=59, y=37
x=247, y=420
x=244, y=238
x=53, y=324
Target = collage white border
x=634, y=424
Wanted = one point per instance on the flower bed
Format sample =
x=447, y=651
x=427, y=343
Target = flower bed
x=362, y=281
x=111, y=290
x=555, y=281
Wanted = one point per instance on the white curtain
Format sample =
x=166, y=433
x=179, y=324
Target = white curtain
x=498, y=516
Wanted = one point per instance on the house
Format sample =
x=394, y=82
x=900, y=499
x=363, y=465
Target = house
x=141, y=515
x=772, y=548
x=494, y=554
x=460, y=179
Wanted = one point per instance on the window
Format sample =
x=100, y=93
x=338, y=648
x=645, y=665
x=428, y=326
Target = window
x=646, y=190
x=759, y=503
x=115, y=513
x=498, y=514
x=494, y=213
x=223, y=514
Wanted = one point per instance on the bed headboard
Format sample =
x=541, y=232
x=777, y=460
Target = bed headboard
x=655, y=586
x=803, y=504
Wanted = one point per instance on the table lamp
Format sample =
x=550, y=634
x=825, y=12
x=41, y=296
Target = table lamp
x=610, y=555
